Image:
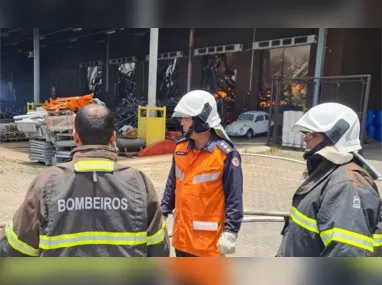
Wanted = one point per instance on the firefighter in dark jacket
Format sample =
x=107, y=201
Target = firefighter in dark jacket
x=336, y=211
x=91, y=206
x=205, y=184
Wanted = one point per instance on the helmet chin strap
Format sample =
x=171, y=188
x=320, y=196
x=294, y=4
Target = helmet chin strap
x=309, y=153
x=199, y=123
x=188, y=134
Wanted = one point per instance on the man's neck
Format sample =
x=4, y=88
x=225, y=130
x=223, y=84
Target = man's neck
x=202, y=139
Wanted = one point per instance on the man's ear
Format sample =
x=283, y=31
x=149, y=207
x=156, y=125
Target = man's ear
x=113, y=138
x=76, y=137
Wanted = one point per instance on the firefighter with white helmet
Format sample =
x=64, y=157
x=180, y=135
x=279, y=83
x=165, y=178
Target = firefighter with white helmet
x=335, y=212
x=205, y=183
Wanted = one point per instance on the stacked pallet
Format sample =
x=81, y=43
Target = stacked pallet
x=41, y=151
x=9, y=132
x=64, y=143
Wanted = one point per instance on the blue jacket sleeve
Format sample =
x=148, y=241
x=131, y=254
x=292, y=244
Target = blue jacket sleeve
x=168, y=200
x=233, y=190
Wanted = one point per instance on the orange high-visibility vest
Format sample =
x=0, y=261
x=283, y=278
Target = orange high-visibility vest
x=199, y=200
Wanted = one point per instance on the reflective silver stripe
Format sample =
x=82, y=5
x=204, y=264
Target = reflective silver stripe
x=206, y=177
x=205, y=226
x=17, y=244
x=347, y=237
x=179, y=174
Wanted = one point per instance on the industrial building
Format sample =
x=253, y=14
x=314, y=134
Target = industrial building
x=241, y=67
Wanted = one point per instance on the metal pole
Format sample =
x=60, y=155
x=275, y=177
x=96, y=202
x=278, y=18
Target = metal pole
x=320, y=58
x=276, y=110
x=153, y=65
x=189, y=71
x=36, y=61
x=0, y=66
x=270, y=114
x=364, y=111
x=252, y=59
x=107, y=64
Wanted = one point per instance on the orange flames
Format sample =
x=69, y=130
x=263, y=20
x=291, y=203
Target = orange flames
x=296, y=96
x=224, y=95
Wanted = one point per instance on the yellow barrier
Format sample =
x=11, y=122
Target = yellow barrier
x=31, y=106
x=151, y=124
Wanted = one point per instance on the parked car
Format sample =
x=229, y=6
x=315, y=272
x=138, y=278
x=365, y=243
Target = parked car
x=249, y=124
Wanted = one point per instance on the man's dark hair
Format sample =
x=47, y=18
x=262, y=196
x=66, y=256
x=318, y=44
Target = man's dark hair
x=94, y=125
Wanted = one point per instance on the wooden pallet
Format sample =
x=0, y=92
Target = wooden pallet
x=13, y=139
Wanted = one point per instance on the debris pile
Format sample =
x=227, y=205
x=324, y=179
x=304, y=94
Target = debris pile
x=9, y=132
x=68, y=103
x=50, y=131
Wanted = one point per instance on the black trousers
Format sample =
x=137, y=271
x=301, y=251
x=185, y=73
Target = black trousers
x=180, y=253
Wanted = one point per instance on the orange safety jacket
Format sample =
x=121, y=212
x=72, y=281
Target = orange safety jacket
x=205, y=188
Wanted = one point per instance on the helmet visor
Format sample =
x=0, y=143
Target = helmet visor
x=301, y=130
x=177, y=114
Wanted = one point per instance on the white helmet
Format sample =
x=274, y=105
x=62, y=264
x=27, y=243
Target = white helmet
x=201, y=104
x=338, y=122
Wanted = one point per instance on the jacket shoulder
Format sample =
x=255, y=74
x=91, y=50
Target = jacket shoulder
x=354, y=175
x=182, y=145
x=182, y=141
x=225, y=147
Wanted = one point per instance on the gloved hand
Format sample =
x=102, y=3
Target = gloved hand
x=226, y=243
x=165, y=217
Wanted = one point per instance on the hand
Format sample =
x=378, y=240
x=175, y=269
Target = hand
x=226, y=243
x=165, y=217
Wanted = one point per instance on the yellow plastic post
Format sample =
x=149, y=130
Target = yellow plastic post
x=151, y=124
x=31, y=106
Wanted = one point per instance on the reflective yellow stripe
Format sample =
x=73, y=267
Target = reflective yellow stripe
x=348, y=237
x=17, y=244
x=304, y=221
x=94, y=165
x=156, y=238
x=206, y=177
x=92, y=238
x=377, y=240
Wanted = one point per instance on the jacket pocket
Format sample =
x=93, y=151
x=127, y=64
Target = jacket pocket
x=206, y=232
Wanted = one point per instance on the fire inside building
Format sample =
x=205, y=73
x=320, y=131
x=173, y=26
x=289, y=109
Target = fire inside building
x=270, y=70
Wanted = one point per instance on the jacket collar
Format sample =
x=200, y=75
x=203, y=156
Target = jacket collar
x=209, y=146
x=321, y=169
x=337, y=157
x=85, y=152
x=329, y=153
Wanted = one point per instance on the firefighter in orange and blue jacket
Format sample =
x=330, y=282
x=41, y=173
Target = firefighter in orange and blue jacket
x=205, y=184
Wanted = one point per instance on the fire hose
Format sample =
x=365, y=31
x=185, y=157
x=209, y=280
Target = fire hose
x=252, y=216
x=372, y=171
